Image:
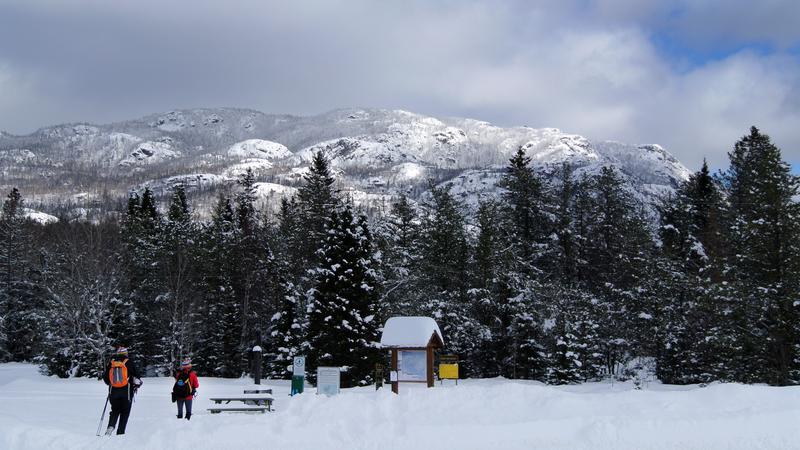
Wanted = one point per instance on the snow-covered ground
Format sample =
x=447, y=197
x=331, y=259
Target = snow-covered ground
x=38, y=412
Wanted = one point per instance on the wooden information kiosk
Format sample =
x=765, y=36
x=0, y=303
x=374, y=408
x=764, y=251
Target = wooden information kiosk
x=412, y=341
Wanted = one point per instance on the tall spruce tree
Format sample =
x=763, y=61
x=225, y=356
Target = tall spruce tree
x=528, y=203
x=691, y=316
x=179, y=263
x=316, y=199
x=287, y=325
x=218, y=351
x=20, y=299
x=619, y=258
x=444, y=253
x=343, y=306
x=144, y=329
x=574, y=353
x=764, y=259
x=565, y=227
x=491, y=295
x=397, y=237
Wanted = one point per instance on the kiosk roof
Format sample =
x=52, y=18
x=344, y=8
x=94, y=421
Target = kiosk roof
x=409, y=332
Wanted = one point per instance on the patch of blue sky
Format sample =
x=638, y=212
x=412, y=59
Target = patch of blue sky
x=687, y=57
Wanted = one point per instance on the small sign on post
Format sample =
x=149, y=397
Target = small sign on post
x=378, y=376
x=298, y=375
x=328, y=380
x=448, y=368
x=257, y=364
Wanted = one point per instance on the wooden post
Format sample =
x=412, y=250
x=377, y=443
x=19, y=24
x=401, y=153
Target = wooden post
x=257, y=364
x=396, y=382
x=430, y=366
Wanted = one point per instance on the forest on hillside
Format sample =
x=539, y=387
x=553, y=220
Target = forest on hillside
x=560, y=281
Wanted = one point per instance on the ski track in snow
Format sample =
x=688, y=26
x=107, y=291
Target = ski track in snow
x=38, y=412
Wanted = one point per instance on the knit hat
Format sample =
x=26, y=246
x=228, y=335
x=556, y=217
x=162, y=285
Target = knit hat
x=122, y=350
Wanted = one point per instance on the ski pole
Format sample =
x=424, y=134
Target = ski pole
x=100, y=425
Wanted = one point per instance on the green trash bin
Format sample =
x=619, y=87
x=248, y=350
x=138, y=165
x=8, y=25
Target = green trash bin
x=298, y=381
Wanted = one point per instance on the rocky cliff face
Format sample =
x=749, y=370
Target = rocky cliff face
x=376, y=155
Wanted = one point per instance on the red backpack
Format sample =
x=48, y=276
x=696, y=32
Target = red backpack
x=118, y=374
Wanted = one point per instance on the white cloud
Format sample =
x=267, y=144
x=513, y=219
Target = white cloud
x=585, y=67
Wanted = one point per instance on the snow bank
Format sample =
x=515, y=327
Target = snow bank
x=39, y=412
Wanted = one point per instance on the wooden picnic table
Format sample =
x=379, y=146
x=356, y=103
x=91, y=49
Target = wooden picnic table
x=262, y=402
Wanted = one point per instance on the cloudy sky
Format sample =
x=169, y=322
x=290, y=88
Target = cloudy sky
x=692, y=75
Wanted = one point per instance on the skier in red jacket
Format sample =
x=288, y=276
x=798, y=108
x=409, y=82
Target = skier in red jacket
x=186, y=385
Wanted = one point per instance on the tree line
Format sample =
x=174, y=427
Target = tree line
x=563, y=279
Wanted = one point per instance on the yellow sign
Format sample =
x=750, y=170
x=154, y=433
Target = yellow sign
x=448, y=371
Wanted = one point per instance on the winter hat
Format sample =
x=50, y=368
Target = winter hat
x=122, y=350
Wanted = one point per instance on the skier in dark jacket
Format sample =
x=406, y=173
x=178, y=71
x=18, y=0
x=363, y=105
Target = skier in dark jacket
x=123, y=380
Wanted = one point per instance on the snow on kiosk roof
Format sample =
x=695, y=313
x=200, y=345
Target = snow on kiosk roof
x=411, y=332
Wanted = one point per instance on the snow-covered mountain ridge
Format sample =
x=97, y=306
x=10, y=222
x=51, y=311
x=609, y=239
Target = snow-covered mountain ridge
x=376, y=154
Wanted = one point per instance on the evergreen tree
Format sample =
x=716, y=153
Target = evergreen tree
x=82, y=301
x=397, y=238
x=20, y=301
x=575, y=355
x=527, y=200
x=343, y=308
x=218, y=348
x=690, y=315
x=565, y=227
x=316, y=199
x=444, y=252
x=491, y=294
x=145, y=329
x=619, y=260
x=245, y=203
x=286, y=333
x=764, y=237
x=179, y=263
x=287, y=325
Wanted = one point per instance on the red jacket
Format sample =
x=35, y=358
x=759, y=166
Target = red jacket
x=192, y=381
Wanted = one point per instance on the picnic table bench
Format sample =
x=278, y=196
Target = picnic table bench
x=258, y=391
x=260, y=402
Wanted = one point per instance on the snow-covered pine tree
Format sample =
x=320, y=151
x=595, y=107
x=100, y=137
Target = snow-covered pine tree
x=566, y=254
x=618, y=256
x=493, y=287
x=287, y=324
x=20, y=301
x=765, y=257
x=82, y=301
x=343, y=318
x=217, y=350
x=285, y=334
x=691, y=316
x=180, y=270
x=442, y=268
x=527, y=205
x=145, y=329
x=316, y=199
x=256, y=284
x=574, y=354
x=397, y=237
x=531, y=321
